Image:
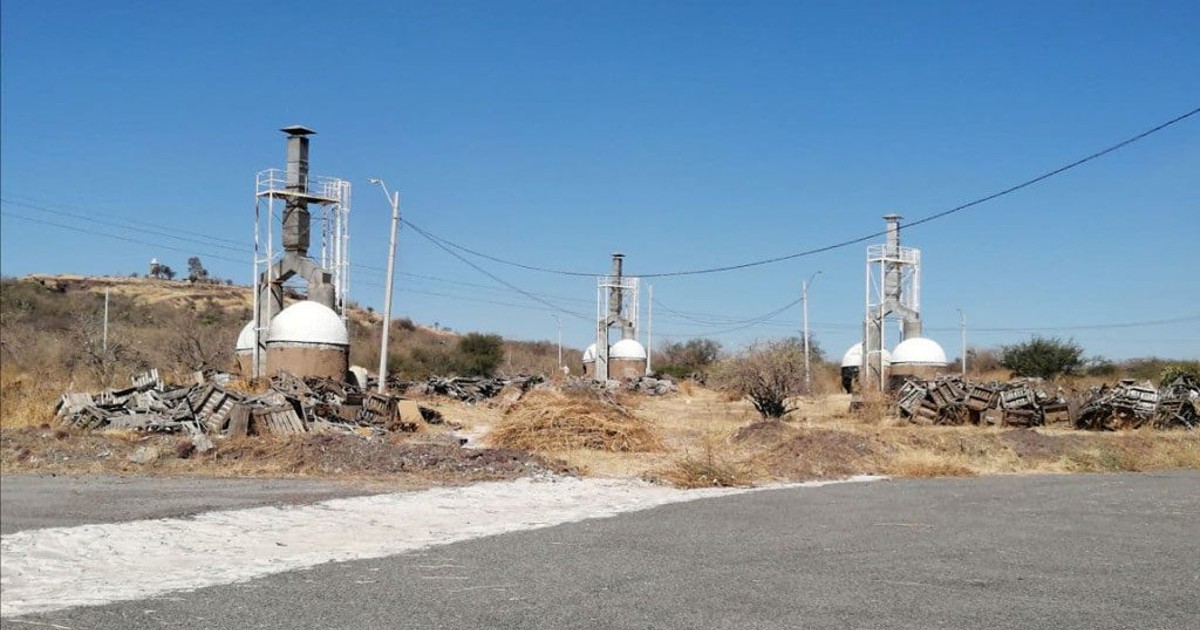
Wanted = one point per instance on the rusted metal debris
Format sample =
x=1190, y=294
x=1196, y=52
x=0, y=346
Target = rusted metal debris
x=291, y=405
x=647, y=385
x=1026, y=403
x=1132, y=405
x=471, y=389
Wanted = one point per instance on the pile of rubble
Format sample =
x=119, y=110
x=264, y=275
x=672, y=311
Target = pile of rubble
x=1133, y=405
x=1024, y=402
x=291, y=405
x=647, y=385
x=472, y=389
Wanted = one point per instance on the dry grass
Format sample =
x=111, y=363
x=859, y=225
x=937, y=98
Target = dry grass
x=924, y=463
x=25, y=399
x=403, y=459
x=698, y=437
x=549, y=421
x=707, y=471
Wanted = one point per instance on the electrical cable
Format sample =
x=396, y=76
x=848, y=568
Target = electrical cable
x=846, y=243
x=139, y=226
x=498, y=278
x=115, y=237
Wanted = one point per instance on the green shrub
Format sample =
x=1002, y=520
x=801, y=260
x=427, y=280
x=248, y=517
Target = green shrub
x=1043, y=357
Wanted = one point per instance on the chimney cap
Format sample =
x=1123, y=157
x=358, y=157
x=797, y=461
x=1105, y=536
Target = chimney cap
x=618, y=255
x=298, y=130
x=892, y=217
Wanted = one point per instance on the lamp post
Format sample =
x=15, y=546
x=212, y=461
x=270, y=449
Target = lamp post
x=962, y=327
x=394, y=200
x=558, y=320
x=804, y=301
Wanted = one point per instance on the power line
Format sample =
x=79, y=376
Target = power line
x=1035, y=329
x=139, y=226
x=116, y=237
x=498, y=278
x=846, y=243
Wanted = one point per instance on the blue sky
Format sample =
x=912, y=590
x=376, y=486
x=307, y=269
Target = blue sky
x=684, y=134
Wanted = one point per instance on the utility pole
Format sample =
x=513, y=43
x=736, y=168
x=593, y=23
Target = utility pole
x=650, y=332
x=104, y=343
x=394, y=200
x=804, y=302
x=962, y=327
x=558, y=320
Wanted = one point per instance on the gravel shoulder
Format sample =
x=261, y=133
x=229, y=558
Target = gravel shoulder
x=30, y=501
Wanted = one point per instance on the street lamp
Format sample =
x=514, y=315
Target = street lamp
x=804, y=301
x=962, y=326
x=394, y=200
x=558, y=320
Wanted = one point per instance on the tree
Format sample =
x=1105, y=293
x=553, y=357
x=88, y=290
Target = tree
x=196, y=270
x=479, y=355
x=768, y=374
x=684, y=358
x=1043, y=357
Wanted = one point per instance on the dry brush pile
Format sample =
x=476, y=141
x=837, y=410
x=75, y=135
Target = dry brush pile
x=549, y=421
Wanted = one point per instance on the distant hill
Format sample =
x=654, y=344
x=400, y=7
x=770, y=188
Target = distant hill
x=52, y=325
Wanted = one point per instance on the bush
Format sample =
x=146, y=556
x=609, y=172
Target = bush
x=1175, y=370
x=1043, y=358
x=684, y=358
x=768, y=374
x=479, y=355
x=1099, y=366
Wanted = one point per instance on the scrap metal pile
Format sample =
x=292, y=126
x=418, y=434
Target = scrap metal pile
x=477, y=389
x=1024, y=402
x=472, y=389
x=290, y=406
x=647, y=385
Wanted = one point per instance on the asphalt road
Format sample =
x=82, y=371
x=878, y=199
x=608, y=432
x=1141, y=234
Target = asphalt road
x=1084, y=551
x=37, y=501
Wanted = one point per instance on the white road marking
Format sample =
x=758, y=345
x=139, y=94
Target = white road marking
x=51, y=569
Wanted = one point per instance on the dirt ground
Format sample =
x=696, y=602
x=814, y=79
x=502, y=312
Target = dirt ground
x=411, y=460
x=695, y=438
x=710, y=439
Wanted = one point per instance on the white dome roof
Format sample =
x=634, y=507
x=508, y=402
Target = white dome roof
x=245, y=339
x=853, y=356
x=589, y=355
x=627, y=349
x=919, y=350
x=308, y=322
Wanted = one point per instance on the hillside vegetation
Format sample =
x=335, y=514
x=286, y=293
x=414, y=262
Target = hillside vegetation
x=51, y=340
x=52, y=337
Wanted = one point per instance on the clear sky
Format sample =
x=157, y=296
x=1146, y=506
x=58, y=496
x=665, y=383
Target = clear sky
x=684, y=134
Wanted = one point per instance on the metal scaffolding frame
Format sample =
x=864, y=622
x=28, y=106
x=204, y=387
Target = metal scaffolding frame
x=333, y=197
x=893, y=293
x=617, y=299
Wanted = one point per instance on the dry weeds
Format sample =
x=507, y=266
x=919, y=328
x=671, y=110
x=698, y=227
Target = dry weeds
x=402, y=458
x=695, y=438
x=549, y=421
x=25, y=399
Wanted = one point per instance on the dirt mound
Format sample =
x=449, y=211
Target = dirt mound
x=552, y=421
x=819, y=454
x=1031, y=445
x=331, y=454
x=764, y=433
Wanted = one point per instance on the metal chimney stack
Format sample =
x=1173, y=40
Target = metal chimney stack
x=296, y=223
x=616, y=302
x=893, y=291
x=891, y=275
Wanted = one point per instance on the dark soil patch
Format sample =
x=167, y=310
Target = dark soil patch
x=1030, y=444
x=328, y=455
x=765, y=433
x=820, y=454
